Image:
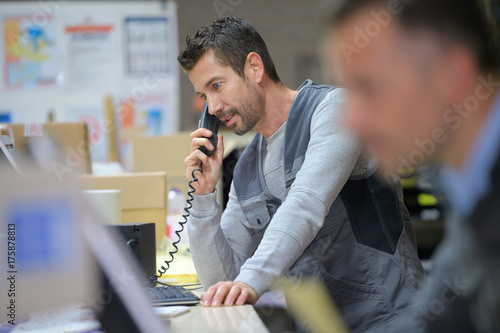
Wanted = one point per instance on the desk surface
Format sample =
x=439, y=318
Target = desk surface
x=224, y=319
x=198, y=319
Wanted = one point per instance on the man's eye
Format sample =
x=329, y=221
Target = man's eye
x=217, y=85
x=203, y=97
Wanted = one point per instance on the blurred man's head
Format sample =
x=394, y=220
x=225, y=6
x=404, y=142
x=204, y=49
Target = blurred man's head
x=412, y=69
x=227, y=63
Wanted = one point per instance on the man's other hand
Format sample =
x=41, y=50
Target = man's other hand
x=229, y=293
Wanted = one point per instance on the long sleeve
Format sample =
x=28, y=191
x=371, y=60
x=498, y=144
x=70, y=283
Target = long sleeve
x=218, y=254
x=331, y=156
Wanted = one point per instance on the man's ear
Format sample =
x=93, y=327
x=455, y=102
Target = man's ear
x=254, y=67
x=461, y=72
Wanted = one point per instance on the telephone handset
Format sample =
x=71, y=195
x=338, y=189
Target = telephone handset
x=211, y=123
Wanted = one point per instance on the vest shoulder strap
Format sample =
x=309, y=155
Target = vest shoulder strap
x=298, y=130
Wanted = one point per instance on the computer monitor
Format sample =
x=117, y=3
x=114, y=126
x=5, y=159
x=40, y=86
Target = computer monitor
x=9, y=155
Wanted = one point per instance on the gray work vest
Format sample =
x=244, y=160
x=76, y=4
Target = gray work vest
x=365, y=252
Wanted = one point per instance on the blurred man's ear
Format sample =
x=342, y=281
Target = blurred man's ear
x=460, y=71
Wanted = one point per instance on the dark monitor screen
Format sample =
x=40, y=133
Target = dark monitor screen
x=10, y=156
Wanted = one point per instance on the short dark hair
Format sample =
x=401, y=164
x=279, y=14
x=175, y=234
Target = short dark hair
x=231, y=39
x=462, y=21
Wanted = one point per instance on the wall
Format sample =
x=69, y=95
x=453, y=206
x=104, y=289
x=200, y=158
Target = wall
x=292, y=30
x=67, y=56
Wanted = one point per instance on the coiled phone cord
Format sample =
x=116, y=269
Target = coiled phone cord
x=187, y=209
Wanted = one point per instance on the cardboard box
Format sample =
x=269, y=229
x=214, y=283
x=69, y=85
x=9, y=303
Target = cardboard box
x=163, y=153
x=72, y=139
x=167, y=153
x=143, y=197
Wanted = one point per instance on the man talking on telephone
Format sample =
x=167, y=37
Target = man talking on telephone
x=303, y=202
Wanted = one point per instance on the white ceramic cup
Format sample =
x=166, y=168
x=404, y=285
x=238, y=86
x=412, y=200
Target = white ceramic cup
x=107, y=203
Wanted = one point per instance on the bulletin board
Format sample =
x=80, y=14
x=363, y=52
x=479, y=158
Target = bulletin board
x=65, y=57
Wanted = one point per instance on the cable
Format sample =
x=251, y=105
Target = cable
x=184, y=285
x=197, y=288
x=189, y=205
x=132, y=242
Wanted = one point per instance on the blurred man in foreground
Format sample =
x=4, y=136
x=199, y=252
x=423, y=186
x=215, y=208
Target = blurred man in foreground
x=423, y=81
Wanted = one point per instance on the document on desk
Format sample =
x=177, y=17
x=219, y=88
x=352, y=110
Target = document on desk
x=170, y=311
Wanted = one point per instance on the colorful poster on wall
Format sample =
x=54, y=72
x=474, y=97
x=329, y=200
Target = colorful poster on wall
x=30, y=52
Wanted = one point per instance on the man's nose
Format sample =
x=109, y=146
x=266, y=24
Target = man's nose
x=214, y=106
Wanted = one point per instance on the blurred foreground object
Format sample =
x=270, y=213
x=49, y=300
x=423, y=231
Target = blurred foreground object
x=45, y=261
x=59, y=252
x=309, y=302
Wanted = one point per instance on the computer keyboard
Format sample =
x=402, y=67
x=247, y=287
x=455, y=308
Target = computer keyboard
x=171, y=295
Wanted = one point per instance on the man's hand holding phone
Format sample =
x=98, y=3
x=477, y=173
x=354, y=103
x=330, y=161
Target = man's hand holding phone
x=212, y=166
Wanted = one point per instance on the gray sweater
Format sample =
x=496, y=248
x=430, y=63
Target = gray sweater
x=221, y=246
